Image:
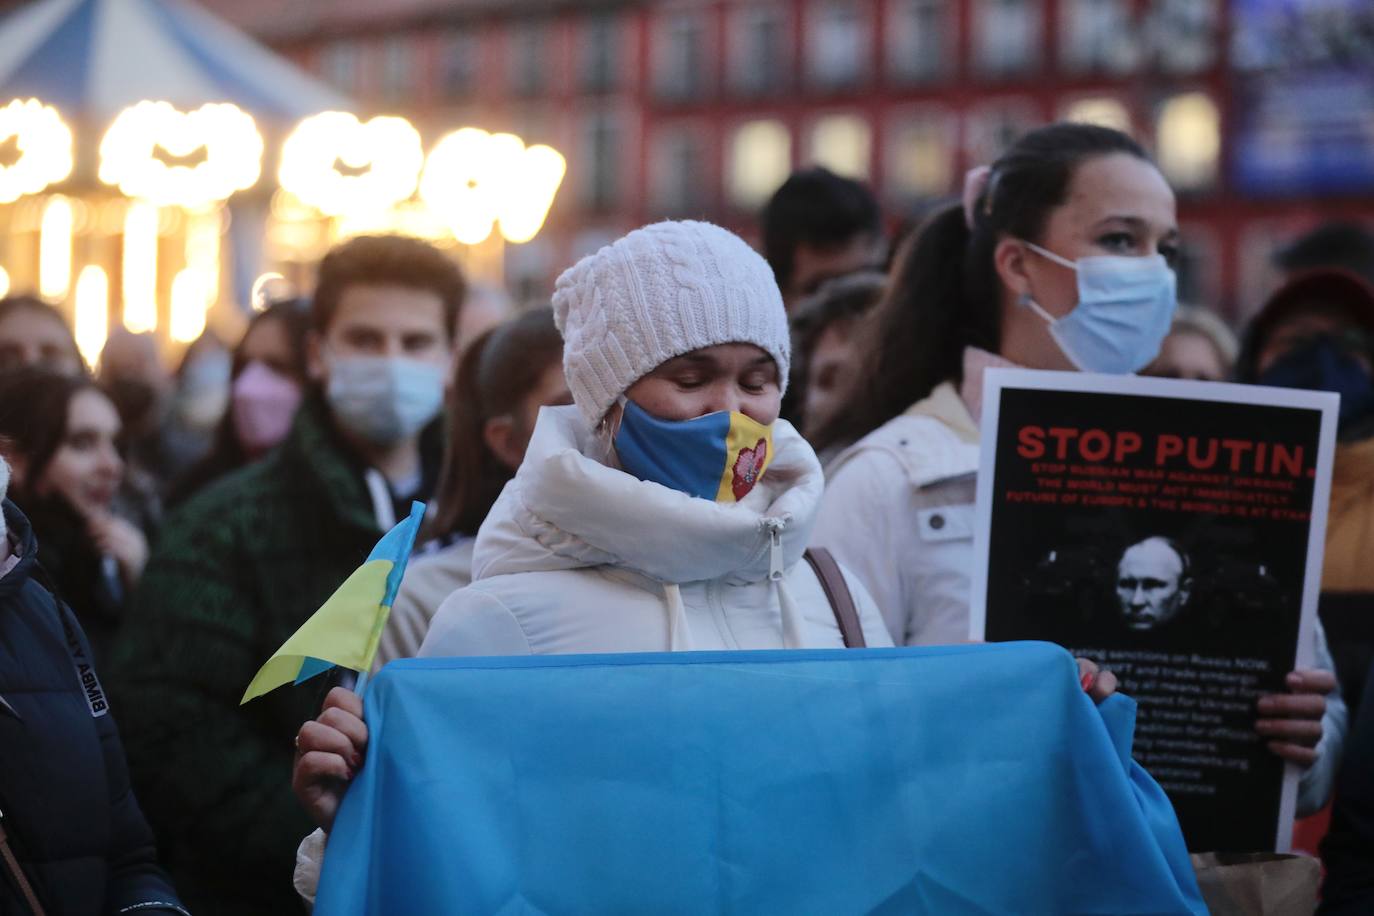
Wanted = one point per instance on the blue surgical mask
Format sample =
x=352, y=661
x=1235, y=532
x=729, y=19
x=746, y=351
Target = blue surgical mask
x=382, y=399
x=719, y=456
x=1125, y=307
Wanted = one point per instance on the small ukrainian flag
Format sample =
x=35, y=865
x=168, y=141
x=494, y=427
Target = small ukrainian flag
x=346, y=629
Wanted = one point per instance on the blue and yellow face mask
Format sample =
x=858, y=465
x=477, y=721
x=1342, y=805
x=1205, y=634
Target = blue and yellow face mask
x=719, y=456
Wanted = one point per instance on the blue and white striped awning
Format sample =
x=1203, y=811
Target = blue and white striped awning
x=93, y=58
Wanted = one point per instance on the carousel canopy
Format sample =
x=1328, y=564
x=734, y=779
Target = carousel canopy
x=93, y=58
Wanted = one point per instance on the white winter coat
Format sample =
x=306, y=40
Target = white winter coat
x=577, y=556
x=899, y=512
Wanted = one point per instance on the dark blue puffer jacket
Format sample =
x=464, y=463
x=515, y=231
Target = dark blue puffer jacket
x=64, y=787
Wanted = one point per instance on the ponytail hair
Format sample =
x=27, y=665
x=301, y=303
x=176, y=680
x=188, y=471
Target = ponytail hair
x=495, y=374
x=944, y=294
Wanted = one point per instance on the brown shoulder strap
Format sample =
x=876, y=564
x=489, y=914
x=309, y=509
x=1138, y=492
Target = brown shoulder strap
x=838, y=594
x=16, y=873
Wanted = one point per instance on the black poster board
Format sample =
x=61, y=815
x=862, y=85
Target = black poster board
x=1172, y=531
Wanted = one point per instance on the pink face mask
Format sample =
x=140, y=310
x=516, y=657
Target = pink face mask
x=263, y=405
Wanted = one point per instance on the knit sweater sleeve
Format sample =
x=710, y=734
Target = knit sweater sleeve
x=208, y=772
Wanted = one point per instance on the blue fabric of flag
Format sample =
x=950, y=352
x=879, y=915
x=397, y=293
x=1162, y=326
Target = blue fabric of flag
x=966, y=779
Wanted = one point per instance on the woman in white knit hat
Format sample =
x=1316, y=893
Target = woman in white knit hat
x=667, y=510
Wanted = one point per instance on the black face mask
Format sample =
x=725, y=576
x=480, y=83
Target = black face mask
x=1324, y=364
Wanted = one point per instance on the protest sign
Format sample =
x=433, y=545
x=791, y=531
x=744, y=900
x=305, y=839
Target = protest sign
x=1172, y=531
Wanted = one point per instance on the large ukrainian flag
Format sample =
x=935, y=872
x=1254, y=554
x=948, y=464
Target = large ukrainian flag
x=346, y=629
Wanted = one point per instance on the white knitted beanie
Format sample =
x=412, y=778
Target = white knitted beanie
x=657, y=293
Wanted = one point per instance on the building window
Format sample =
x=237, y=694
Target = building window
x=836, y=45
x=677, y=164
x=760, y=155
x=921, y=38
x=993, y=128
x=339, y=65
x=1007, y=36
x=529, y=54
x=920, y=155
x=1097, y=36
x=843, y=143
x=602, y=143
x=680, y=63
x=758, y=50
x=600, y=53
x=1183, y=35
x=460, y=61
x=1188, y=141
x=1104, y=111
x=398, y=71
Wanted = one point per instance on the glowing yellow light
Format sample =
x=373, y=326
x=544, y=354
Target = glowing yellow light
x=760, y=160
x=528, y=198
x=1188, y=140
x=44, y=143
x=843, y=144
x=154, y=152
x=339, y=165
x=4, y=283
x=92, y=321
x=203, y=250
x=189, y=297
x=55, y=249
x=1102, y=111
x=140, y=267
x=474, y=179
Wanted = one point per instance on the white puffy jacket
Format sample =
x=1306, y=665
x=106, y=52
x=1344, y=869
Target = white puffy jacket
x=899, y=512
x=577, y=556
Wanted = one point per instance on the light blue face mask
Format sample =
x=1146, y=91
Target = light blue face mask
x=384, y=400
x=1125, y=307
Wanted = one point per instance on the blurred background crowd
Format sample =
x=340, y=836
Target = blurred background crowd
x=158, y=340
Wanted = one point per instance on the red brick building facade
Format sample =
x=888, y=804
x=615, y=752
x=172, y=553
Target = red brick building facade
x=700, y=107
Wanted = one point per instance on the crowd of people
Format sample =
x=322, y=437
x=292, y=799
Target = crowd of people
x=642, y=465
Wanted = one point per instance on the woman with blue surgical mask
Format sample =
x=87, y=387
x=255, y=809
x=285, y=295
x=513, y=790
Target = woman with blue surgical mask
x=1059, y=257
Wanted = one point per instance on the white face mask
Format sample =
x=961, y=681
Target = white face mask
x=384, y=400
x=1125, y=308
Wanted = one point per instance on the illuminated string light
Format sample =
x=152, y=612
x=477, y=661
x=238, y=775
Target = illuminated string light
x=474, y=179
x=381, y=161
x=156, y=153
x=140, y=267
x=44, y=143
x=189, y=297
x=55, y=249
x=92, y=318
x=527, y=201
x=4, y=283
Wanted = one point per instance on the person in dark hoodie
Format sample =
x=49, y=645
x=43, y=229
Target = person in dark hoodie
x=72, y=837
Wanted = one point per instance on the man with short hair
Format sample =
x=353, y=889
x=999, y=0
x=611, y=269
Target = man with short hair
x=241, y=566
x=1152, y=583
x=819, y=226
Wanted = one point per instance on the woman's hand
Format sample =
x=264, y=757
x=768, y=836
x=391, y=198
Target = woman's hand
x=329, y=752
x=115, y=537
x=1293, y=721
x=1097, y=683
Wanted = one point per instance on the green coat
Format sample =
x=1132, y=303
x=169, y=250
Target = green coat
x=235, y=572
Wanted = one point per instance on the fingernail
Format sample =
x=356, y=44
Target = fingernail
x=1088, y=680
x=1294, y=679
